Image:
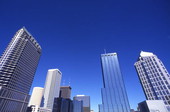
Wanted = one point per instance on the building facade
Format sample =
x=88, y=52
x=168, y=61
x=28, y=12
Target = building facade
x=77, y=106
x=65, y=92
x=62, y=105
x=132, y=110
x=52, y=87
x=154, y=77
x=86, y=102
x=114, y=96
x=34, y=108
x=152, y=106
x=18, y=65
x=36, y=96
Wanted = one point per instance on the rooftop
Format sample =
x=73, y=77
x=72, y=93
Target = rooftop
x=146, y=54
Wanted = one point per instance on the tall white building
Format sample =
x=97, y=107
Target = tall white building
x=36, y=96
x=52, y=87
x=154, y=77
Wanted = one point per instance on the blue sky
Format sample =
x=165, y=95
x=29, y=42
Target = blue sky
x=73, y=34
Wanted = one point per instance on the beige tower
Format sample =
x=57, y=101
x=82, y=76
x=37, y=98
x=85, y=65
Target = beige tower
x=36, y=96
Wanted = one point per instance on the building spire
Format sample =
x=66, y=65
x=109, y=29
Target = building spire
x=105, y=51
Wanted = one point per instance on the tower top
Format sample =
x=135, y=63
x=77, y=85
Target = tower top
x=146, y=54
x=80, y=95
x=24, y=29
x=109, y=54
x=21, y=34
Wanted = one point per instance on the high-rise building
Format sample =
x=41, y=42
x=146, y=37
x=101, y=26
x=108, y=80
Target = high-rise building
x=62, y=105
x=18, y=65
x=86, y=102
x=154, y=77
x=114, y=97
x=52, y=87
x=65, y=92
x=78, y=106
x=36, y=96
x=132, y=110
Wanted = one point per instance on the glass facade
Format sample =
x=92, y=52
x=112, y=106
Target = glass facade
x=114, y=97
x=86, y=102
x=67, y=105
x=77, y=106
x=18, y=65
x=154, y=77
x=11, y=100
x=62, y=105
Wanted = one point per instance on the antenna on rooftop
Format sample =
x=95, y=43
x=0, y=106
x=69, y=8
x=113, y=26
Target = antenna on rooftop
x=105, y=51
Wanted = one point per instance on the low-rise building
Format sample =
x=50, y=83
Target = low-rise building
x=152, y=106
x=36, y=108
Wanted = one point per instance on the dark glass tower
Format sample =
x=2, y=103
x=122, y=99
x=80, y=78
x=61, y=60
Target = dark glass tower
x=18, y=65
x=114, y=97
x=65, y=92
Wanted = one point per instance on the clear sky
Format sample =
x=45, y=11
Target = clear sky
x=73, y=34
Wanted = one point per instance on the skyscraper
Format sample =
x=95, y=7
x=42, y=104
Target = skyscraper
x=86, y=102
x=36, y=96
x=52, y=87
x=62, y=105
x=114, y=97
x=154, y=77
x=77, y=106
x=65, y=92
x=18, y=65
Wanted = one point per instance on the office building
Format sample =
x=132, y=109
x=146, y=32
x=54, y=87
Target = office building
x=18, y=65
x=62, y=105
x=152, y=106
x=114, y=96
x=154, y=77
x=132, y=110
x=52, y=87
x=86, y=102
x=77, y=106
x=36, y=96
x=34, y=108
x=65, y=92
